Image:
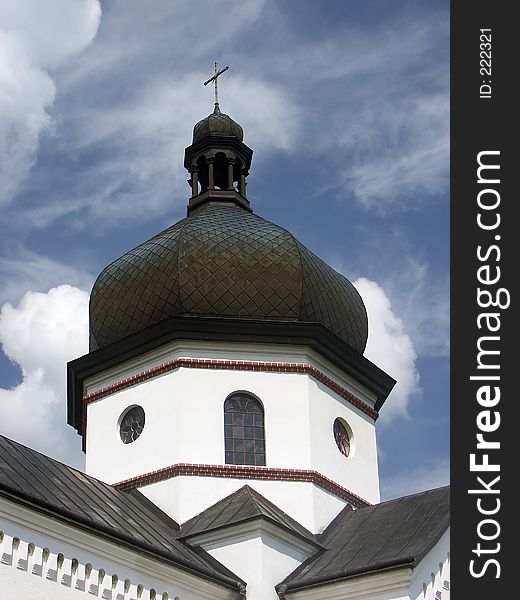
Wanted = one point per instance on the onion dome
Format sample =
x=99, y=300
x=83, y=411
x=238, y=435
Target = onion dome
x=222, y=261
x=217, y=123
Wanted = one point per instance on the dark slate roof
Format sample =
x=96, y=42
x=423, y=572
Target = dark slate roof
x=49, y=486
x=223, y=261
x=395, y=533
x=243, y=505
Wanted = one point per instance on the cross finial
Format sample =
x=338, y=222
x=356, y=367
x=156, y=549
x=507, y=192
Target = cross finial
x=215, y=79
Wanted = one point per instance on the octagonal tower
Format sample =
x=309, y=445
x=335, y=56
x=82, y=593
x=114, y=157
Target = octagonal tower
x=224, y=352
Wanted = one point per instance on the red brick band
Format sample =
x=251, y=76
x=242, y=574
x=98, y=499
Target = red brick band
x=243, y=472
x=231, y=365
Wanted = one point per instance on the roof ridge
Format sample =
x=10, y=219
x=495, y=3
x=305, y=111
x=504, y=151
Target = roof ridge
x=420, y=493
x=258, y=497
x=261, y=500
x=256, y=506
x=252, y=494
x=217, y=503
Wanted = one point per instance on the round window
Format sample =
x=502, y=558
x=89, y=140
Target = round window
x=342, y=437
x=132, y=424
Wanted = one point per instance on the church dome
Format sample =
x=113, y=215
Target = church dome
x=217, y=124
x=223, y=261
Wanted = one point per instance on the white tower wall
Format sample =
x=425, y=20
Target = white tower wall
x=184, y=410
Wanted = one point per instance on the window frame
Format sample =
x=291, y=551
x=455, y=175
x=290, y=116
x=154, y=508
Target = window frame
x=350, y=436
x=122, y=418
x=244, y=431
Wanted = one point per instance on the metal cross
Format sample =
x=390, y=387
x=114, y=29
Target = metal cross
x=215, y=80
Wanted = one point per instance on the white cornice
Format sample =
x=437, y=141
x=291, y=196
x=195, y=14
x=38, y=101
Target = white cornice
x=226, y=350
x=234, y=534
x=356, y=588
x=103, y=550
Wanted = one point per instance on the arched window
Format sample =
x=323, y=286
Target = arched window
x=244, y=430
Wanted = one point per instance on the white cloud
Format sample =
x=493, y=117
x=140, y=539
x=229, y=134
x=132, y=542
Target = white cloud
x=418, y=289
x=51, y=31
x=423, y=302
x=25, y=93
x=41, y=334
x=390, y=348
x=27, y=270
x=375, y=115
x=149, y=132
x=430, y=475
x=34, y=36
x=123, y=49
x=129, y=107
x=386, y=131
x=410, y=167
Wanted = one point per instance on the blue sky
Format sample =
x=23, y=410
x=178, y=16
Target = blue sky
x=346, y=107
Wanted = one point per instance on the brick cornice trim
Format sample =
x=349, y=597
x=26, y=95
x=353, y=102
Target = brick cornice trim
x=243, y=472
x=232, y=365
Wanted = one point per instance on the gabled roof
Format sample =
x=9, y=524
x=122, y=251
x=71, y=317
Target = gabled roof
x=243, y=505
x=48, y=486
x=395, y=533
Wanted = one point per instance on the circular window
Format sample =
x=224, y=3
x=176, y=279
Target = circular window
x=342, y=437
x=132, y=424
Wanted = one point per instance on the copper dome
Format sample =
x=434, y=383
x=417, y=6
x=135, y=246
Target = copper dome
x=217, y=124
x=223, y=261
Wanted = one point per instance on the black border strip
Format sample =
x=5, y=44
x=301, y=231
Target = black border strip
x=483, y=122
x=228, y=330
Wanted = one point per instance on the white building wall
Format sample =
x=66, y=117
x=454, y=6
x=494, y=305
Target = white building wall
x=185, y=424
x=358, y=472
x=260, y=559
x=326, y=506
x=386, y=585
x=431, y=577
x=246, y=555
x=184, y=497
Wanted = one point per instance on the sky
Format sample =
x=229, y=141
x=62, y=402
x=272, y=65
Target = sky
x=346, y=106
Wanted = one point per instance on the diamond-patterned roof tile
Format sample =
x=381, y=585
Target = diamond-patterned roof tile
x=217, y=123
x=223, y=261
